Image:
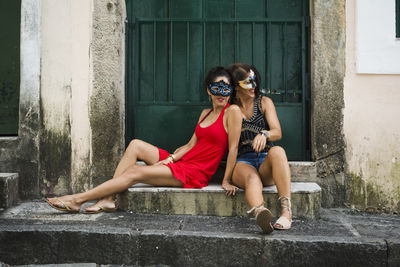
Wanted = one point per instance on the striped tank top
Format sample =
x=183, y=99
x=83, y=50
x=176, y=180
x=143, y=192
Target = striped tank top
x=252, y=127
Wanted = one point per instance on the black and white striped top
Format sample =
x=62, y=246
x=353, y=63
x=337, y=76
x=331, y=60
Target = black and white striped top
x=252, y=127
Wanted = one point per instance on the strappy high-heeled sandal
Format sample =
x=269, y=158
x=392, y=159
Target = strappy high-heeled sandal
x=283, y=222
x=263, y=218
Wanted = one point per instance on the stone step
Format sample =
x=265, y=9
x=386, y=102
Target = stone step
x=8, y=190
x=212, y=201
x=302, y=171
x=34, y=233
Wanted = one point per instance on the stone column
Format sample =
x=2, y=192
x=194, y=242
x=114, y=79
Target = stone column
x=29, y=109
x=107, y=99
x=328, y=36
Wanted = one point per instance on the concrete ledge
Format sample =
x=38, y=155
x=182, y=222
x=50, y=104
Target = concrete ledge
x=8, y=190
x=34, y=233
x=302, y=171
x=211, y=200
x=47, y=244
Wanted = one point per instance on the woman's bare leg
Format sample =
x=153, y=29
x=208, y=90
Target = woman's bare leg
x=136, y=150
x=159, y=175
x=275, y=170
x=246, y=177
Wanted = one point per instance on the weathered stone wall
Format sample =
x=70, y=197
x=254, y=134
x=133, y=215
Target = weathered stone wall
x=107, y=100
x=82, y=93
x=372, y=131
x=8, y=154
x=327, y=73
x=27, y=158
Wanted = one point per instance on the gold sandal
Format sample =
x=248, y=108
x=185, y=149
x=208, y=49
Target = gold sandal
x=285, y=223
x=263, y=218
x=100, y=209
x=64, y=206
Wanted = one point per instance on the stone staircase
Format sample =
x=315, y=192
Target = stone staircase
x=8, y=190
x=34, y=233
x=212, y=201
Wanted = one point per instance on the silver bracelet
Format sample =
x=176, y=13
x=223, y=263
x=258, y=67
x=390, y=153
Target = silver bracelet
x=265, y=133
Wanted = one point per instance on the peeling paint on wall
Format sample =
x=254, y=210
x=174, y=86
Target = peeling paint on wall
x=369, y=195
x=55, y=161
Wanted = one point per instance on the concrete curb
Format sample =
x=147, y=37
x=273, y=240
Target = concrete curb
x=33, y=233
x=40, y=245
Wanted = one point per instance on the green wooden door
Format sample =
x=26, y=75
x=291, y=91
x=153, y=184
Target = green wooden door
x=171, y=44
x=10, y=14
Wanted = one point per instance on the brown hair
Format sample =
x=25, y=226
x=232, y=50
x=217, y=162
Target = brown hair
x=216, y=72
x=239, y=72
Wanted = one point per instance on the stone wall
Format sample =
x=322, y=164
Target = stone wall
x=328, y=35
x=82, y=93
x=21, y=154
x=107, y=100
x=72, y=106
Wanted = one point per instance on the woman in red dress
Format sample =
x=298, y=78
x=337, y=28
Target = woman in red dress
x=191, y=166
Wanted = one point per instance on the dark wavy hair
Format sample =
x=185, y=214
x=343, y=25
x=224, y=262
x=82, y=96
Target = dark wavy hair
x=214, y=73
x=239, y=72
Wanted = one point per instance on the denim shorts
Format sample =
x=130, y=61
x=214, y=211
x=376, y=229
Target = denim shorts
x=252, y=158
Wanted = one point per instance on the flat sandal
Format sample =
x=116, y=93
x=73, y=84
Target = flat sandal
x=285, y=223
x=263, y=218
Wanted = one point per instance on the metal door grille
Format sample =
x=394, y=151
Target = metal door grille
x=168, y=58
x=285, y=93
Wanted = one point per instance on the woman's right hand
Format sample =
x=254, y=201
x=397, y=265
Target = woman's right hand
x=164, y=161
x=259, y=143
x=229, y=188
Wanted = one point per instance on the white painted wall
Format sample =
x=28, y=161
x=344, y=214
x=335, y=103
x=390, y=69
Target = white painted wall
x=378, y=49
x=66, y=78
x=82, y=83
x=56, y=71
x=371, y=124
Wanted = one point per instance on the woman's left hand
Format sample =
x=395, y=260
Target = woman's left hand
x=229, y=188
x=259, y=142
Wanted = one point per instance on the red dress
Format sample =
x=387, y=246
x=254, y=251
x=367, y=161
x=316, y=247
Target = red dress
x=198, y=165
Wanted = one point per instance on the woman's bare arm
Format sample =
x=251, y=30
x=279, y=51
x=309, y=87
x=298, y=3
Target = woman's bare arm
x=234, y=123
x=275, y=133
x=269, y=110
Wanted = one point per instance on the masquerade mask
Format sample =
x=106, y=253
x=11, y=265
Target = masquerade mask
x=250, y=82
x=220, y=88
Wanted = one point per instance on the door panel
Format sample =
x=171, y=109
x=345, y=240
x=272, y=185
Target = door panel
x=10, y=16
x=172, y=125
x=172, y=44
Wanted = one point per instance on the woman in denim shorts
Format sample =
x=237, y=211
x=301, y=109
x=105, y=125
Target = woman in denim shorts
x=259, y=163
